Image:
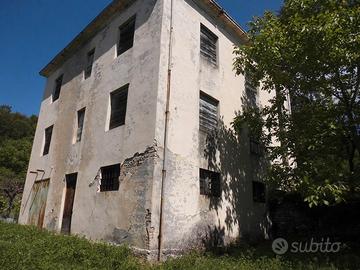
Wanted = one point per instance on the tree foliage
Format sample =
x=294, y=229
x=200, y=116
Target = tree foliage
x=16, y=136
x=309, y=54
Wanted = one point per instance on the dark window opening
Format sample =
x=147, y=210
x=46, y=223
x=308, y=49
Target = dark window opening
x=126, y=39
x=118, y=107
x=110, y=178
x=210, y=183
x=48, y=135
x=89, y=63
x=259, y=191
x=81, y=117
x=57, y=88
x=358, y=130
x=255, y=147
x=208, y=113
x=208, y=44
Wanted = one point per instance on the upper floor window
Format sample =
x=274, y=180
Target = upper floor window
x=208, y=113
x=208, y=44
x=259, y=191
x=81, y=118
x=251, y=91
x=89, y=63
x=209, y=183
x=57, y=88
x=126, y=36
x=48, y=135
x=118, y=104
x=110, y=178
x=255, y=146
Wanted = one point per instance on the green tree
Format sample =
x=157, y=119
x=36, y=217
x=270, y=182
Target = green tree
x=16, y=136
x=309, y=52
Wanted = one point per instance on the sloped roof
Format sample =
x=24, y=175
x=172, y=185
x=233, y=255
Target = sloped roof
x=116, y=6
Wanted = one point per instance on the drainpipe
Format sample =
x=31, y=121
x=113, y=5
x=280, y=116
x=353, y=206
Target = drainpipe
x=167, y=112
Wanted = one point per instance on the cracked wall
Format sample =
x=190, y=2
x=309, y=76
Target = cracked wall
x=131, y=215
x=122, y=216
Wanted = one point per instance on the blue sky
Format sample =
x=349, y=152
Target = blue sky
x=34, y=31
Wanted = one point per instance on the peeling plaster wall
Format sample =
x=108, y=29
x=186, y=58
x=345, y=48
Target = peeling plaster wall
x=117, y=216
x=190, y=219
x=131, y=215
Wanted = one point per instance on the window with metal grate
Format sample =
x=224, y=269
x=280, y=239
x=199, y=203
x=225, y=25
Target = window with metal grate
x=110, y=178
x=118, y=107
x=209, y=183
x=208, y=44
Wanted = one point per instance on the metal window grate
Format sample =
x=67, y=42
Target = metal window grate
x=81, y=117
x=208, y=42
x=48, y=135
x=118, y=107
x=208, y=113
x=89, y=64
x=126, y=39
x=259, y=191
x=57, y=88
x=110, y=178
x=209, y=183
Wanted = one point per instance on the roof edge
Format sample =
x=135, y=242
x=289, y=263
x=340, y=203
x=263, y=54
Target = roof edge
x=230, y=21
x=118, y=5
x=88, y=32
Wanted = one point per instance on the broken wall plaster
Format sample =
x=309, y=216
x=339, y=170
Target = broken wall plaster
x=136, y=160
x=139, y=158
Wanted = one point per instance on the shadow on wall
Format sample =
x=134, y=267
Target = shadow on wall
x=229, y=154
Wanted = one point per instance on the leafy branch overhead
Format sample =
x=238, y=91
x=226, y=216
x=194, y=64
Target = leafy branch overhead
x=309, y=54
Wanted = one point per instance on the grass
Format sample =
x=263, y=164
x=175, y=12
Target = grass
x=24, y=247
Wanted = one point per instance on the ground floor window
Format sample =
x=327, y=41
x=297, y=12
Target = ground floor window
x=258, y=191
x=209, y=183
x=110, y=178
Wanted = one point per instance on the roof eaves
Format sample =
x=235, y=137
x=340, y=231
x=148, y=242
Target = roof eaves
x=117, y=5
x=227, y=19
x=90, y=31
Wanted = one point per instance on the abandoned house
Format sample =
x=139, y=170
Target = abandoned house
x=134, y=141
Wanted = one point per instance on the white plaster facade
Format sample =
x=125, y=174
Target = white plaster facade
x=161, y=61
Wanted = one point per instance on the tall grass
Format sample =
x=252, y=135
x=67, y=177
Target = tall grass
x=24, y=247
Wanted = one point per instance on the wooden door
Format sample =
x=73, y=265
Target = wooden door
x=38, y=203
x=69, y=202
